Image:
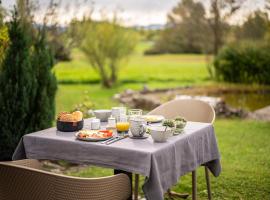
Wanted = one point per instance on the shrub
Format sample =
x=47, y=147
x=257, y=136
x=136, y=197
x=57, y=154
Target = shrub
x=243, y=63
x=4, y=41
x=27, y=87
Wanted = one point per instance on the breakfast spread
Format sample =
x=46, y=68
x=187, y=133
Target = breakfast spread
x=94, y=134
x=70, y=117
x=119, y=125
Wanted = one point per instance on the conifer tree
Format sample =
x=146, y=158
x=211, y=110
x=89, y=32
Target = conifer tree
x=17, y=89
x=44, y=105
x=27, y=86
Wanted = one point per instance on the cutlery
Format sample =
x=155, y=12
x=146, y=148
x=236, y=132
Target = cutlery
x=116, y=139
x=113, y=138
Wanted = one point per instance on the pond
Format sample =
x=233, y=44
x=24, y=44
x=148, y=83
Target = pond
x=249, y=98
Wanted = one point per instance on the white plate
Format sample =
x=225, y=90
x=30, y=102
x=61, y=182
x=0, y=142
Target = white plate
x=153, y=118
x=91, y=139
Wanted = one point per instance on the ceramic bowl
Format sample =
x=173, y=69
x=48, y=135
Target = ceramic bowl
x=159, y=134
x=180, y=125
x=103, y=115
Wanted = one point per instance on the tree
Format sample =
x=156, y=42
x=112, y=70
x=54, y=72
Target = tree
x=4, y=42
x=189, y=22
x=255, y=27
x=106, y=44
x=220, y=11
x=186, y=31
x=17, y=90
x=3, y=34
x=43, y=104
x=27, y=87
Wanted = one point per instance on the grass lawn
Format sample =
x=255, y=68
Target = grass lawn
x=244, y=145
x=78, y=80
x=138, y=68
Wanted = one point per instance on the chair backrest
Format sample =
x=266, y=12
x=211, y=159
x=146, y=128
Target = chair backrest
x=190, y=109
x=24, y=183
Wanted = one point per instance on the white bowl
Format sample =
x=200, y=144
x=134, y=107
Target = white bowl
x=159, y=134
x=103, y=115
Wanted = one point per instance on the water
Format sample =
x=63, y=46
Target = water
x=249, y=98
x=248, y=101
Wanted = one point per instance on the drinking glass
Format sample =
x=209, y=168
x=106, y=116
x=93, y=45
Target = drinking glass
x=122, y=125
x=134, y=113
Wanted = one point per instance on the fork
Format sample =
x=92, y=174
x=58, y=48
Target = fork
x=106, y=141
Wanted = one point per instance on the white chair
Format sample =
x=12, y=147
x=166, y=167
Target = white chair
x=191, y=110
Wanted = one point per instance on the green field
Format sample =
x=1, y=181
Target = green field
x=78, y=79
x=244, y=145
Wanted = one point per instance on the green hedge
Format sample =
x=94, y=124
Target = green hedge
x=244, y=63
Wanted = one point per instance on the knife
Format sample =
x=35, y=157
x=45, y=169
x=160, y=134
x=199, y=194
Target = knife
x=116, y=139
x=112, y=138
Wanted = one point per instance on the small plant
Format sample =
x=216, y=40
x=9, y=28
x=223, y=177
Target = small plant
x=169, y=123
x=180, y=119
x=180, y=124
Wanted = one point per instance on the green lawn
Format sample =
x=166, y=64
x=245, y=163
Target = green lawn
x=244, y=145
x=244, y=148
x=169, y=69
x=78, y=80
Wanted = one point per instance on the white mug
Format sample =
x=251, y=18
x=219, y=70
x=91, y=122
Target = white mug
x=137, y=127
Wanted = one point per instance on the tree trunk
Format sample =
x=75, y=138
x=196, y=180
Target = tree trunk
x=216, y=27
x=104, y=78
x=113, y=74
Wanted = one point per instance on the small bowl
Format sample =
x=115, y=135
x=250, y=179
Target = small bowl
x=103, y=115
x=69, y=126
x=159, y=134
x=180, y=125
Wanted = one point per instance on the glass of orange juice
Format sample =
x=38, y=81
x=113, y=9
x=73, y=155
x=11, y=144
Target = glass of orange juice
x=122, y=124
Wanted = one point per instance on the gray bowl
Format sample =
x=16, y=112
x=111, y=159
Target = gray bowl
x=103, y=115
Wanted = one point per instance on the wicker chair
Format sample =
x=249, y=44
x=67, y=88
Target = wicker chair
x=24, y=180
x=191, y=110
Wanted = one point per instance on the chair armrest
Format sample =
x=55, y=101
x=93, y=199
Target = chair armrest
x=31, y=163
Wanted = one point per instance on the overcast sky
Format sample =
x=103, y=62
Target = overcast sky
x=132, y=12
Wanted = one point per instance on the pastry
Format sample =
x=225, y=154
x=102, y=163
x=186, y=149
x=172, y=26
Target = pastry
x=78, y=115
x=61, y=114
x=67, y=118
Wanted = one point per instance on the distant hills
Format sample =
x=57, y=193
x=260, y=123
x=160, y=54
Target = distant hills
x=150, y=27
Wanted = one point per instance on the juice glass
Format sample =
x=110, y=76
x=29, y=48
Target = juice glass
x=122, y=125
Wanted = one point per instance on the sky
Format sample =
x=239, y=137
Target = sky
x=131, y=12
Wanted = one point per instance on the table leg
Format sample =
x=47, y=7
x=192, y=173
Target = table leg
x=208, y=183
x=194, y=185
x=117, y=171
x=136, y=187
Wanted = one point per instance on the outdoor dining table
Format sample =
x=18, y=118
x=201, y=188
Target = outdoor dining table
x=161, y=163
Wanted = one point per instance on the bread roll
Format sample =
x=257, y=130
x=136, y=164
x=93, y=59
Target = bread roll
x=78, y=115
x=67, y=118
x=61, y=114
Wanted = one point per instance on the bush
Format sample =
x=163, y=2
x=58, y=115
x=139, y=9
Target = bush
x=243, y=63
x=27, y=87
x=4, y=41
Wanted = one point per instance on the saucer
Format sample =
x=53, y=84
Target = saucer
x=136, y=137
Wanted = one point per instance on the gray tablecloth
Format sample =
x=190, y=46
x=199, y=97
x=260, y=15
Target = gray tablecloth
x=161, y=163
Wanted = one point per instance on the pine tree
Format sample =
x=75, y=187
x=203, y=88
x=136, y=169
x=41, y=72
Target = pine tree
x=44, y=105
x=27, y=87
x=17, y=89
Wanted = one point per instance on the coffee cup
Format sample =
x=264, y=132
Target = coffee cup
x=137, y=127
